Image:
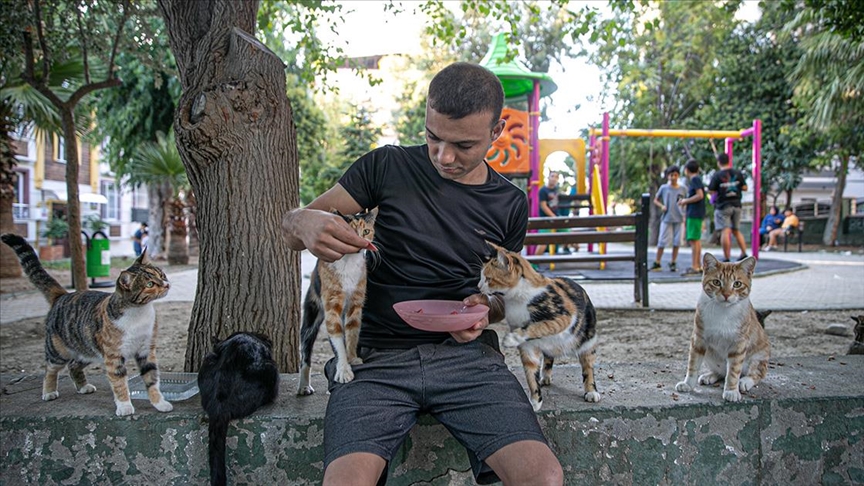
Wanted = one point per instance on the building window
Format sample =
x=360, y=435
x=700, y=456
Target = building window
x=59, y=149
x=110, y=211
x=20, y=205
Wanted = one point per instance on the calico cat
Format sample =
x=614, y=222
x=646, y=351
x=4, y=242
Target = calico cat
x=86, y=327
x=857, y=346
x=337, y=289
x=237, y=378
x=727, y=334
x=548, y=317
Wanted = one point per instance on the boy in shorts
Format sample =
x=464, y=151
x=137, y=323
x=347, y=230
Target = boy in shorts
x=727, y=185
x=695, y=204
x=667, y=199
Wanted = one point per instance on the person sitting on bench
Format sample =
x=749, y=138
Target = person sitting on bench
x=790, y=223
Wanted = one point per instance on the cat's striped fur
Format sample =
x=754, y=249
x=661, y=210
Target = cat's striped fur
x=548, y=317
x=336, y=289
x=86, y=327
x=727, y=335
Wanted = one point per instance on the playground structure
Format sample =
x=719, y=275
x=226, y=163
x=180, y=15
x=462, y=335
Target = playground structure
x=730, y=136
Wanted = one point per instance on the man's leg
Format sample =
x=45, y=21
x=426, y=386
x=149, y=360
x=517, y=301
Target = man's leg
x=725, y=238
x=356, y=469
x=526, y=463
x=697, y=254
x=741, y=242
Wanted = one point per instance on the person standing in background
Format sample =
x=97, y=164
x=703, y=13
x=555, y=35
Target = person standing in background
x=671, y=217
x=138, y=239
x=728, y=184
x=695, y=204
x=548, y=201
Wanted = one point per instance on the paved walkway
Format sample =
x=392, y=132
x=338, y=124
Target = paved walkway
x=821, y=281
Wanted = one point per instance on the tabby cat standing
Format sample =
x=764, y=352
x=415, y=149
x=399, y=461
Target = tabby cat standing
x=87, y=327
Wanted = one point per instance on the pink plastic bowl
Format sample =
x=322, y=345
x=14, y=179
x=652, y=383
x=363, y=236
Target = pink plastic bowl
x=439, y=315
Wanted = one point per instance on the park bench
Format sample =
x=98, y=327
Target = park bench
x=792, y=233
x=572, y=230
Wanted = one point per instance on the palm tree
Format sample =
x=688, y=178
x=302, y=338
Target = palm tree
x=158, y=163
x=829, y=84
x=22, y=105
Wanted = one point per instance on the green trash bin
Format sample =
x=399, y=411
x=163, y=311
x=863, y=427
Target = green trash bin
x=99, y=256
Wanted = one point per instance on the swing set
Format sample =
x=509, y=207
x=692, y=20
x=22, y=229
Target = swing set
x=599, y=141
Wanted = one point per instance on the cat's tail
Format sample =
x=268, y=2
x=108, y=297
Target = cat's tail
x=218, y=431
x=46, y=284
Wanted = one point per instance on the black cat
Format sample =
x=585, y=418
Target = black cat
x=237, y=378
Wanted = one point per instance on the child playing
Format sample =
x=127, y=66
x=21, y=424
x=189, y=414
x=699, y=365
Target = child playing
x=670, y=223
x=695, y=203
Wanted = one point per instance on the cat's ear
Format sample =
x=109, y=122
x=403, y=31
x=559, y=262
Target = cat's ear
x=748, y=265
x=709, y=262
x=124, y=281
x=143, y=258
x=371, y=216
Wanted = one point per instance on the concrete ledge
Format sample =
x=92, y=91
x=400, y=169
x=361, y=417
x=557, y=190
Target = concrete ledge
x=803, y=425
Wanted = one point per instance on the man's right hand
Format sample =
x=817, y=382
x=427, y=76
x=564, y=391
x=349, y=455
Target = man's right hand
x=324, y=234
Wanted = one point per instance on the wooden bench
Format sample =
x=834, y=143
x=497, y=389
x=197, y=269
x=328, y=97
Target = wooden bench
x=583, y=230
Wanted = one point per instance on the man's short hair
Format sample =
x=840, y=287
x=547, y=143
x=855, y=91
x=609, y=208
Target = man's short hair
x=463, y=89
x=723, y=159
x=671, y=169
x=692, y=166
x=144, y=224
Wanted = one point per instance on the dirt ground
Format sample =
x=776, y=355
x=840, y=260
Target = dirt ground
x=623, y=335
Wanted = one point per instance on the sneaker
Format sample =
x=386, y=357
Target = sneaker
x=692, y=271
x=673, y=267
x=742, y=256
x=767, y=248
x=655, y=267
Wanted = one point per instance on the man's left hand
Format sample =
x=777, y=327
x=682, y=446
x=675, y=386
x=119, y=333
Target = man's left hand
x=474, y=331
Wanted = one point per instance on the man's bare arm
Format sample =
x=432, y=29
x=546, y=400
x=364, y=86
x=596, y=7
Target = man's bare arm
x=324, y=234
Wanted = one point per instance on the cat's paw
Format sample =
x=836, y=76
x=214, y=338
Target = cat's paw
x=305, y=390
x=47, y=397
x=592, y=397
x=709, y=378
x=683, y=387
x=746, y=384
x=124, y=409
x=88, y=388
x=356, y=361
x=732, y=395
x=344, y=375
x=537, y=404
x=546, y=381
x=163, y=406
x=511, y=340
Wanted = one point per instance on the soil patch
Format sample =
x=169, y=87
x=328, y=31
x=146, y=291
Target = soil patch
x=623, y=336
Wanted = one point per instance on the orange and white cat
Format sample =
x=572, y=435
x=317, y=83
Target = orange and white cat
x=337, y=289
x=727, y=335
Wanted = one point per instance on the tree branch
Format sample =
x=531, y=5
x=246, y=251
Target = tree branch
x=46, y=68
x=89, y=88
x=83, y=45
x=29, y=69
x=115, y=47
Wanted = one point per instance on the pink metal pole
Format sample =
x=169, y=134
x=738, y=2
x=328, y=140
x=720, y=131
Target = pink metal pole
x=536, y=179
x=604, y=162
x=757, y=186
x=729, y=142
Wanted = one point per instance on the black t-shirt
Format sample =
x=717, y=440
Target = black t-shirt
x=697, y=209
x=551, y=198
x=430, y=235
x=729, y=185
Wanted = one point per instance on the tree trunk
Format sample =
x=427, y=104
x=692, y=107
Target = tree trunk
x=829, y=237
x=9, y=265
x=157, y=194
x=178, y=248
x=236, y=138
x=191, y=209
x=73, y=204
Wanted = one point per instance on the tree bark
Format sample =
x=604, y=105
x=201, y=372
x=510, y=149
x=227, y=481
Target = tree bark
x=236, y=138
x=157, y=194
x=829, y=237
x=73, y=206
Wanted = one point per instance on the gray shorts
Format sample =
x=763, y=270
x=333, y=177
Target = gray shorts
x=728, y=217
x=667, y=230
x=465, y=386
